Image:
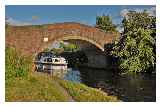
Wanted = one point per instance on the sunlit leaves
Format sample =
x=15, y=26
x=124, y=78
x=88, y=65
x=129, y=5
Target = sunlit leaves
x=105, y=23
x=136, y=48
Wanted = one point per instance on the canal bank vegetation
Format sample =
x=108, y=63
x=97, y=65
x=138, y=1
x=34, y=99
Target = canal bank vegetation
x=24, y=85
x=82, y=93
x=135, y=50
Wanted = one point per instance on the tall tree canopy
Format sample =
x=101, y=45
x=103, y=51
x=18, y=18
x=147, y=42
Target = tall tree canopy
x=136, y=48
x=105, y=23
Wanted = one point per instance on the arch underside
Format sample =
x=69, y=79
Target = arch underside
x=78, y=40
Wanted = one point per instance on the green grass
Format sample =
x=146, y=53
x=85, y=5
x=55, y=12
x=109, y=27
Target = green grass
x=37, y=87
x=83, y=93
x=16, y=65
x=24, y=85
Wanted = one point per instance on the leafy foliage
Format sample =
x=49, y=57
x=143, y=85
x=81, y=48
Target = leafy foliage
x=136, y=47
x=69, y=47
x=105, y=23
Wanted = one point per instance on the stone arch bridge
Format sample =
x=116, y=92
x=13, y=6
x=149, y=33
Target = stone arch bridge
x=33, y=39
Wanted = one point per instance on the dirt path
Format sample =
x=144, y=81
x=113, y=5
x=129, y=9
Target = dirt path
x=70, y=98
x=60, y=88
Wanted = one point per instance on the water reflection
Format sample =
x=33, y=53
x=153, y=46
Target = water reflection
x=73, y=75
x=137, y=87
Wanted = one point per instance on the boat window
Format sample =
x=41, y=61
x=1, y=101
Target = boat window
x=56, y=60
x=45, y=60
x=49, y=59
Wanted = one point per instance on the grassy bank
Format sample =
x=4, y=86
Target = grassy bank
x=83, y=93
x=24, y=85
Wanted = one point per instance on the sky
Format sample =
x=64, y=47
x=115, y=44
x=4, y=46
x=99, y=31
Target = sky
x=48, y=14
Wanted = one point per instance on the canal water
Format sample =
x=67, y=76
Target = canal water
x=134, y=87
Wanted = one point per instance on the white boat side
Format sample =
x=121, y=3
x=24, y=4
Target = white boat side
x=52, y=63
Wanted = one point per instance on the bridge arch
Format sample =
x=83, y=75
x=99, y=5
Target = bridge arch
x=76, y=38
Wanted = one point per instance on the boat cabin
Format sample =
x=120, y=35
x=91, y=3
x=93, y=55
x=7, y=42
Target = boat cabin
x=50, y=63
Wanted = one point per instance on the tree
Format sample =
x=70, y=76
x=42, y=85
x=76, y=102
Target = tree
x=105, y=23
x=71, y=47
x=68, y=47
x=136, y=47
x=62, y=45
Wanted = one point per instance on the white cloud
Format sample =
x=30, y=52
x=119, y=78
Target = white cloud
x=120, y=29
x=124, y=12
x=139, y=10
x=151, y=11
x=14, y=22
x=56, y=44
